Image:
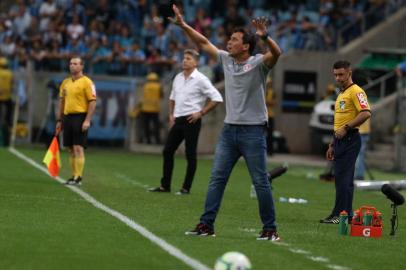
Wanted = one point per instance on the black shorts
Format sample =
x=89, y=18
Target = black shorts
x=72, y=130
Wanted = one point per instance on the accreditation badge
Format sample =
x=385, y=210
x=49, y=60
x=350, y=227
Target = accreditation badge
x=93, y=90
x=342, y=105
x=362, y=99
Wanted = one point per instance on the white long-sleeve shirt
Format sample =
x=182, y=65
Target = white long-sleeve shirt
x=190, y=94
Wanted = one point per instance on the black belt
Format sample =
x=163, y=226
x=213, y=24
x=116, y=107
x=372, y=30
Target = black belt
x=182, y=117
x=353, y=131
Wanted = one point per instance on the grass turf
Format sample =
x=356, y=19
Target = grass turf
x=46, y=226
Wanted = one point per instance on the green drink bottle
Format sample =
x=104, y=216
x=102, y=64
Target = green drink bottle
x=367, y=218
x=343, y=225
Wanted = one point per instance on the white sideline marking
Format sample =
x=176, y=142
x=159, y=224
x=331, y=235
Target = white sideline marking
x=337, y=267
x=172, y=250
x=249, y=230
x=130, y=180
x=307, y=254
x=283, y=244
x=299, y=251
x=318, y=259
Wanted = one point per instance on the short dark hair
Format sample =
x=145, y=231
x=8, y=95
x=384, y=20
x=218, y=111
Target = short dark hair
x=82, y=62
x=341, y=64
x=193, y=53
x=247, y=38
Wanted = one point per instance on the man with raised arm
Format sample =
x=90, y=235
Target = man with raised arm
x=245, y=124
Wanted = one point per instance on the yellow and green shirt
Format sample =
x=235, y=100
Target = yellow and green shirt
x=151, y=97
x=77, y=94
x=269, y=98
x=349, y=103
x=6, y=84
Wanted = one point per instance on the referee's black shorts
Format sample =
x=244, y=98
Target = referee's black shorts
x=72, y=130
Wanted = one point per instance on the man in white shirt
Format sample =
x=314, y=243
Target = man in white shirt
x=47, y=11
x=187, y=105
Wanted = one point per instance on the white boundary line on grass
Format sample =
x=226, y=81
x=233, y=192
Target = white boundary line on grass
x=172, y=250
x=130, y=180
x=307, y=254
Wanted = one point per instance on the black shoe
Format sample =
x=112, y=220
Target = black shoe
x=201, y=230
x=70, y=181
x=183, y=191
x=270, y=235
x=330, y=220
x=77, y=181
x=158, y=189
x=74, y=182
x=328, y=177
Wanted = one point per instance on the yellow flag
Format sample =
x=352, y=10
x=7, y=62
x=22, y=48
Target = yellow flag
x=52, y=158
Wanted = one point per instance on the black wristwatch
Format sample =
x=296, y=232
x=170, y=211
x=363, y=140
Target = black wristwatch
x=347, y=127
x=264, y=37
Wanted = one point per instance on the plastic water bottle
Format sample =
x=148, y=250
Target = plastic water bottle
x=343, y=225
x=367, y=218
x=302, y=201
x=253, y=193
x=292, y=200
x=377, y=219
x=310, y=175
x=356, y=219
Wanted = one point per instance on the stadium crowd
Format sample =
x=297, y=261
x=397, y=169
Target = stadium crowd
x=129, y=37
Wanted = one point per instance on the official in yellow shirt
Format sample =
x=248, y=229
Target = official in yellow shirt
x=150, y=107
x=351, y=110
x=76, y=107
x=6, y=104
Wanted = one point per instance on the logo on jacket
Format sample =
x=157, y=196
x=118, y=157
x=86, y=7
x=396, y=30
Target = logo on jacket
x=342, y=105
x=93, y=90
x=246, y=67
x=363, y=102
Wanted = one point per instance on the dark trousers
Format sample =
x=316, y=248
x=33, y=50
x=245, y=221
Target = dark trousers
x=181, y=130
x=72, y=130
x=345, y=154
x=6, y=115
x=269, y=138
x=151, y=125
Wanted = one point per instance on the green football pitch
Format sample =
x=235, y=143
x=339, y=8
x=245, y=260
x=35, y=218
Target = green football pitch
x=46, y=225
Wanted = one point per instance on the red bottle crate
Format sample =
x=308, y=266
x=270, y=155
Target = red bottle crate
x=366, y=231
x=357, y=229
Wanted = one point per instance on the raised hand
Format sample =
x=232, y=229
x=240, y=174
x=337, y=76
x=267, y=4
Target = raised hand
x=260, y=24
x=178, y=16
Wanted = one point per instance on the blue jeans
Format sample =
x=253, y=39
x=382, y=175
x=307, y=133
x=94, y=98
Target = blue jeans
x=236, y=141
x=360, y=163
